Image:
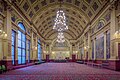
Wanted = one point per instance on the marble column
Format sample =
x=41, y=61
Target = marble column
x=7, y=39
x=89, y=45
x=84, y=54
x=105, y=45
x=36, y=46
x=32, y=44
x=94, y=48
x=16, y=48
x=71, y=51
x=113, y=28
x=1, y=39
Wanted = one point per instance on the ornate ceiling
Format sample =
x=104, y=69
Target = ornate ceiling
x=43, y=12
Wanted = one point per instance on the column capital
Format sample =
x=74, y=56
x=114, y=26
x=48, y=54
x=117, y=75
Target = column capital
x=105, y=32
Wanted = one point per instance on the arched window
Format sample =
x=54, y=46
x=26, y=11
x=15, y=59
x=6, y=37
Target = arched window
x=13, y=46
x=39, y=50
x=21, y=44
x=21, y=26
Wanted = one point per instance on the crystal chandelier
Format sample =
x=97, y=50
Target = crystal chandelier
x=60, y=38
x=60, y=25
x=60, y=21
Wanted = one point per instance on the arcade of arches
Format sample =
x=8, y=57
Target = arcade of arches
x=27, y=35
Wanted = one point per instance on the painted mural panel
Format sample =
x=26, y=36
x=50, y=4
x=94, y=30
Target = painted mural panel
x=100, y=24
x=100, y=48
x=108, y=45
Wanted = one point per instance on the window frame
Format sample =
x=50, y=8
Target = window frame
x=39, y=50
x=22, y=35
x=13, y=45
x=28, y=50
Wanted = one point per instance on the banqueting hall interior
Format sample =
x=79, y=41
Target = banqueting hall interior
x=59, y=39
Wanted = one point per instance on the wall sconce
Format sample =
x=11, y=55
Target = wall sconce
x=75, y=52
x=86, y=48
x=45, y=52
x=53, y=53
x=3, y=34
x=117, y=35
x=34, y=48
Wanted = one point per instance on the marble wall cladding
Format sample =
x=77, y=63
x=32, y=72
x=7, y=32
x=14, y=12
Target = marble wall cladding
x=100, y=48
x=108, y=45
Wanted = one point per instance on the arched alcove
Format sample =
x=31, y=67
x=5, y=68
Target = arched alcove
x=60, y=50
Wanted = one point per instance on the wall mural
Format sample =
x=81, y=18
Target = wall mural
x=100, y=25
x=108, y=45
x=100, y=48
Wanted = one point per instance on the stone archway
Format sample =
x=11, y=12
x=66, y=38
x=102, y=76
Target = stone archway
x=60, y=50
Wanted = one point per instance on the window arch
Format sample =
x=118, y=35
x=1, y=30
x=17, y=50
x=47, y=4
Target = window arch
x=21, y=26
x=21, y=44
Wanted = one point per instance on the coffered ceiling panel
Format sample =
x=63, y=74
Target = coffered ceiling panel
x=78, y=14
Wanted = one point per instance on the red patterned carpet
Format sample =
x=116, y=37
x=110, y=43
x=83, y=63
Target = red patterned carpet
x=60, y=71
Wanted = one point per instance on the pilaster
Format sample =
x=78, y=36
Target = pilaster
x=105, y=45
x=94, y=48
x=113, y=29
x=7, y=38
x=32, y=44
x=89, y=45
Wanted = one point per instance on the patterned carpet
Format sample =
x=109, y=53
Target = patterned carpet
x=60, y=71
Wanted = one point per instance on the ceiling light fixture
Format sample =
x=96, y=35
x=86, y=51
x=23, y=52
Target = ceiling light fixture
x=60, y=38
x=60, y=25
x=60, y=21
